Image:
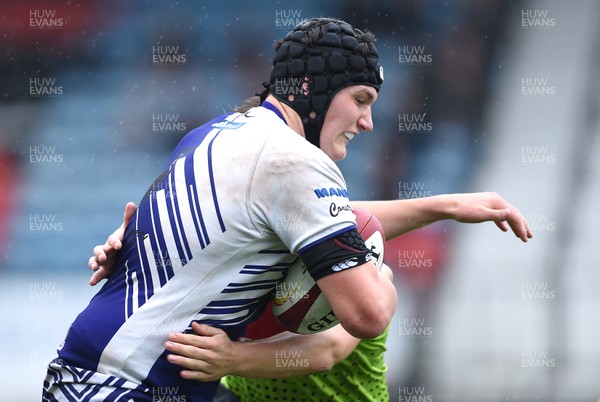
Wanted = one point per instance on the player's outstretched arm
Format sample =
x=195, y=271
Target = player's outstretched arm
x=105, y=254
x=210, y=354
x=401, y=216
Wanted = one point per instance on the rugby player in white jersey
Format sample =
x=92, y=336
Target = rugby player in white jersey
x=210, y=238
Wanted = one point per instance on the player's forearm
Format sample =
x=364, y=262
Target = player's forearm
x=401, y=216
x=290, y=355
x=363, y=299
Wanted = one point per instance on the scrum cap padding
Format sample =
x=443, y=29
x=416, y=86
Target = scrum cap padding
x=312, y=64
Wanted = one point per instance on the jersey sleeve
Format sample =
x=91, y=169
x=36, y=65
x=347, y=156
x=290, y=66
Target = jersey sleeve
x=300, y=194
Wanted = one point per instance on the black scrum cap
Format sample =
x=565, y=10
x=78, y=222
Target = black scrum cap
x=315, y=60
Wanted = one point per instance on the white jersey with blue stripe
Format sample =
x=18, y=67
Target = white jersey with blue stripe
x=241, y=196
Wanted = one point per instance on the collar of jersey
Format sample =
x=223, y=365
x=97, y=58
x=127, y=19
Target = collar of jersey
x=271, y=107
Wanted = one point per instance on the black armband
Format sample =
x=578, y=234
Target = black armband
x=346, y=250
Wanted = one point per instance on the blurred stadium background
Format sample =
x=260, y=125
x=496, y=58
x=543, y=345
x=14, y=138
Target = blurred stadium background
x=478, y=95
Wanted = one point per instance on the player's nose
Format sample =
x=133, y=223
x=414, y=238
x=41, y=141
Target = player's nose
x=365, y=122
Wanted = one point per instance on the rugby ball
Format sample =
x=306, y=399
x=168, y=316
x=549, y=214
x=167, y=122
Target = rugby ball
x=298, y=304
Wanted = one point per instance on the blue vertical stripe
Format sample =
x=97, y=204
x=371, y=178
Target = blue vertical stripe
x=212, y=183
x=158, y=242
x=173, y=213
x=144, y=266
x=176, y=199
x=212, y=177
x=141, y=286
x=190, y=180
x=129, y=293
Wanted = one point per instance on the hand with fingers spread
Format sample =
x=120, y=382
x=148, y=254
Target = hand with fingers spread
x=104, y=257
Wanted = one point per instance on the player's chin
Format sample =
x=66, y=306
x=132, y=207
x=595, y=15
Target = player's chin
x=338, y=152
x=339, y=156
